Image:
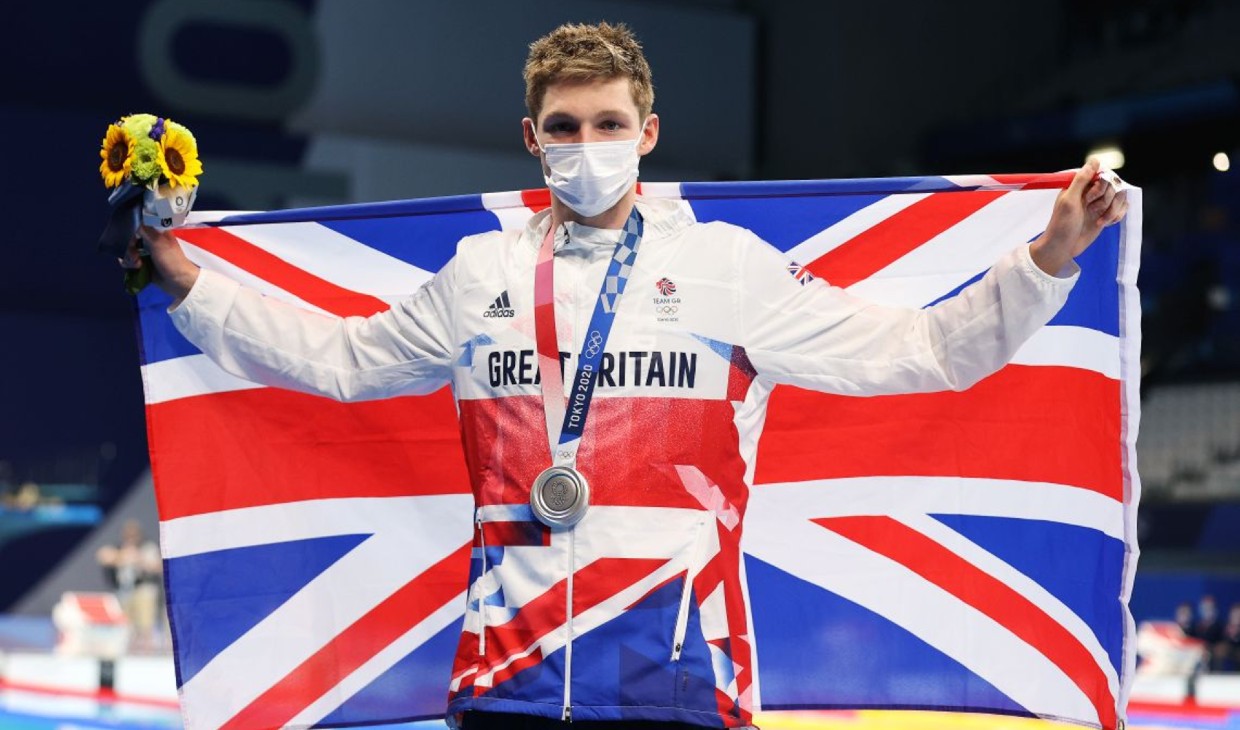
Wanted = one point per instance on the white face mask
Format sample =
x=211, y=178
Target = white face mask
x=591, y=177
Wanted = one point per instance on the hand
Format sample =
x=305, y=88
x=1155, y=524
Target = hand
x=1081, y=211
x=173, y=272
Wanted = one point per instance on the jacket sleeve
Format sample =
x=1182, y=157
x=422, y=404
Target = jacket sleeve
x=404, y=350
x=821, y=337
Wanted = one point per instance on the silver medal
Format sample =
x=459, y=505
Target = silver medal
x=560, y=497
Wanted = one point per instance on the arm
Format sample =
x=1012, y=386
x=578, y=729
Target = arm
x=406, y=349
x=174, y=272
x=821, y=337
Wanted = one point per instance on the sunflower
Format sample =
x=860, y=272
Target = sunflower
x=117, y=154
x=178, y=156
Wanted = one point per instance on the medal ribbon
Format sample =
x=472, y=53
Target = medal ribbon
x=566, y=420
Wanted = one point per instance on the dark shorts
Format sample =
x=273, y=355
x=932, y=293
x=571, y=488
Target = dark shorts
x=505, y=721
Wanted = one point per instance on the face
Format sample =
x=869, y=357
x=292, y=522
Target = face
x=599, y=110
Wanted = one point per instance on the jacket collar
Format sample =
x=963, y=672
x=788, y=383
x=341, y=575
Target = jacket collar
x=661, y=216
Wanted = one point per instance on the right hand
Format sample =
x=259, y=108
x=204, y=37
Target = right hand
x=174, y=272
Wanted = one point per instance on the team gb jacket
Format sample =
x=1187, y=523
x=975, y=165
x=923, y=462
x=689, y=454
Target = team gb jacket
x=639, y=611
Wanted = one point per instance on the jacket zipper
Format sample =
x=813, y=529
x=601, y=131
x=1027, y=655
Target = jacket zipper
x=682, y=616
x=482, y=604
x=567, y=714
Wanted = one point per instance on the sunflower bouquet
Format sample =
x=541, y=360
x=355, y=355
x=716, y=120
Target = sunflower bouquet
x=151, y=164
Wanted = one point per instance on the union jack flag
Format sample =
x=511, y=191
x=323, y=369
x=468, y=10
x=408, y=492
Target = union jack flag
x=964, y=551
x=800, y=273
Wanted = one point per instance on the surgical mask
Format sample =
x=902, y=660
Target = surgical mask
x=591, y=177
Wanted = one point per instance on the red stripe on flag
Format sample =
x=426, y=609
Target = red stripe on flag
x=536, y=200
x=893, y=238
x=356, y=645
x=1030, y=423
x=1036, y=181
x=540, y=198
x=987, y=594
x=255, y=447
x=301, y=284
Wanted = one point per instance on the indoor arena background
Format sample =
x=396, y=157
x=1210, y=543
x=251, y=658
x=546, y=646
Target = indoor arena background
x=298, y=102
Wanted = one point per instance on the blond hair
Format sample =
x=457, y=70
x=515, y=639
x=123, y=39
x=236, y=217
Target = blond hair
x=581, y=52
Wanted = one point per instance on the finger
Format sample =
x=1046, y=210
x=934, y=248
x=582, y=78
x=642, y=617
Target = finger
x=148, y=234
x=1103, y=201
x=1099, y=191
x=1118, y=209
x=1096, y=189
x=1083, y=177
x=153, y=237
x=1113, y=213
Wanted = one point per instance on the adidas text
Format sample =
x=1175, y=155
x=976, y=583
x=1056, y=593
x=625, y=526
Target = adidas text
x=501, y=307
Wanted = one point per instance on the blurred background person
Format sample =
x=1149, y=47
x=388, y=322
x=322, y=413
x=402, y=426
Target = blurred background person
x=1184, y=618
x=1227, y=650
x=133, y=569
x=1208, y=627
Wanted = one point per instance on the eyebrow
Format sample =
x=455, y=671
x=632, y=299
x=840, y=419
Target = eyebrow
x=557, y=115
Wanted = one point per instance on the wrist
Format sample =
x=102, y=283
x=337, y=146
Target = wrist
x=1049, y=257
x=186, y=280
x=179, y=284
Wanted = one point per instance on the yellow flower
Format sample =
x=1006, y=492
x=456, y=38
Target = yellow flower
x=117, y=154
x=178, y=157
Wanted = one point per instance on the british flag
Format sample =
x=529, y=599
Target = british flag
x=957, y=551
x=801, y=273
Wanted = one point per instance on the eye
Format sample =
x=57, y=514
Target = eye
x=560, y=127
x=611, y=125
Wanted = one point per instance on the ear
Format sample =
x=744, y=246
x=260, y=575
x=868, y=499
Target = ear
x=531, y=141
x=650, y=135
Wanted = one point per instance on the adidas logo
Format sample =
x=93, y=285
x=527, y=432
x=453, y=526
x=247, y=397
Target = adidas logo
x=501, y=307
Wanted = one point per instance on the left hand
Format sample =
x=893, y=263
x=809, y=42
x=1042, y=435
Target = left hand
x=1081, y=211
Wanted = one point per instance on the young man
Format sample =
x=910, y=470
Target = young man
x=607, y=583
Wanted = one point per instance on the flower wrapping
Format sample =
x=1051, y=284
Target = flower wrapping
x=152, y=165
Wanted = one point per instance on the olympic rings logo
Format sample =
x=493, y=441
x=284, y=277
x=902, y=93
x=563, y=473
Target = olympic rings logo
x=593, y=343
x=667, y=309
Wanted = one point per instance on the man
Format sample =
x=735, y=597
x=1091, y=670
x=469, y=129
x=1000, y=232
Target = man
x=1227, y=651
x=606, y=584
x=1184, y=619
x=133, y=568
x=1208, y=627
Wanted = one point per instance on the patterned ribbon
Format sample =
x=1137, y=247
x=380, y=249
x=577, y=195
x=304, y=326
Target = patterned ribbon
x=566, y=420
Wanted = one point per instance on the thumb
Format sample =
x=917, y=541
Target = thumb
x=1083, y=177
x=154, y=237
